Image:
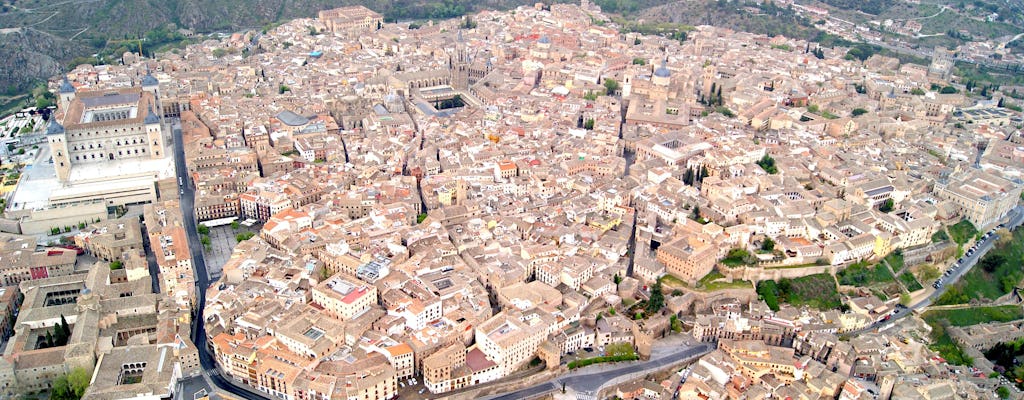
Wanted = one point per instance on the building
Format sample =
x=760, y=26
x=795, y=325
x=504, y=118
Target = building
x=344, y=299
x=105, y=125
x=509, y=341
x=687, y=259
x=350, y=20
x=979, y=196
x=19, y=260
x=109, y=240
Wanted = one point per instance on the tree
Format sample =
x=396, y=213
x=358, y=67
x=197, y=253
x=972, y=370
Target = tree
x=235, y=225
x=1000, y=104
x=991, y=262
x=617, y=279
x=116, y=264
x=203, y=229
x=589, y=124
x=696, y=213
x=767, y=163
x=948, y=90
x=917, y=92
x=49, y=340
x=703, y=173
x=858, y=112
x=1003, y=392
x=241, y=237
x=611, y=86
x=65, y=327
x=768, y=244
x=886, y=206
x=688, y=177
x=657, y=299
x=639, y=61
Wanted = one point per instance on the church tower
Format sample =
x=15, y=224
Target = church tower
x=460, y=64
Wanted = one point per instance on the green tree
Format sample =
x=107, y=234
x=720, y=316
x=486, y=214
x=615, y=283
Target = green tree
x=767, y=163
x=241, y=237
x=948, y=90
x=65, y=327
x=203, y=229
x=768, y=244
x=657, y=300
x=917, y=92
x=235, y=225
x=1003, y=392
x=589, y=124
x=886, y=206
x=858, y=112
x=116, y=264
x=611, y=86
x=639, y=61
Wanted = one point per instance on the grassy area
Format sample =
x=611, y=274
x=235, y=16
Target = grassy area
x=708, y=282
x=976, y=315
x=671, y=280
x=737, y=257
x=995, y=275
x=862, y=274
x=614, y=352
x=895, y=260
x=962, y=231
x=946, y=347
x=910, y=282
x=818, y=291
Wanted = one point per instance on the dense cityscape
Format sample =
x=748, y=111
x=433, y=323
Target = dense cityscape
x=522, y=204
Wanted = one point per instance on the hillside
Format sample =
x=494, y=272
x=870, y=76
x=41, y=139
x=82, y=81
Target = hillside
x=47, y=34
x=765, y=18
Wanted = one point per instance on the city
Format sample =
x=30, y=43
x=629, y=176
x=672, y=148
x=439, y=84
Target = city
x=535, y=203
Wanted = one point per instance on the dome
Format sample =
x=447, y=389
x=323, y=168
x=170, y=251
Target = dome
x=54, y=128
x=544, y=40
x=662, y=72
x=149, y=80
x=66, y=86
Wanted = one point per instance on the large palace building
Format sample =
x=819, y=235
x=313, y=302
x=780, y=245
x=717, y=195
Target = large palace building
x=105, y=125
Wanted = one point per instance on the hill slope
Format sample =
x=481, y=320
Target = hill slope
x=47, y=34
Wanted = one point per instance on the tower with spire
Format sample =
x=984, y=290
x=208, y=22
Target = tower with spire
x=460, y=64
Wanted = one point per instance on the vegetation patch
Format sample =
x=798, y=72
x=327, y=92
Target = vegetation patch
x=862, y=274
x=614, y=352
x=962, y=231
x=910, y=282
x=818, y=291
x=976, y=315
x=995, y=275
x=716, y=281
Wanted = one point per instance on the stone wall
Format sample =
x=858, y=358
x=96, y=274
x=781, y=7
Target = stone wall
x=760, y=273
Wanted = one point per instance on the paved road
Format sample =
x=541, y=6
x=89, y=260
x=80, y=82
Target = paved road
x=591, y=382
x=1014, y=220
x=187, y=199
